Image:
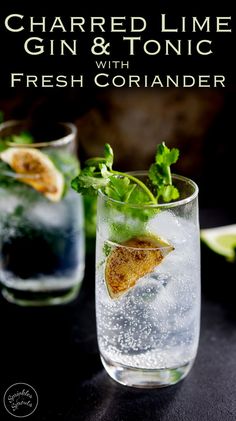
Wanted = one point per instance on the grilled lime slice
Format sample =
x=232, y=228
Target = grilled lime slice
x=37, y=170
x=132, y=260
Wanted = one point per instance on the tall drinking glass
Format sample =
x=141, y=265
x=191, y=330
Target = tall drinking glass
x=41, y=217
x=148, y=287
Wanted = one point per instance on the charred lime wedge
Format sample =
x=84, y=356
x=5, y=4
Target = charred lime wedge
x=37, y=170
x=132, y=260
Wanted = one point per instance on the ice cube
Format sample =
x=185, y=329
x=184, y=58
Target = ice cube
x=8, y=203
x=165, y=224
x=53, y=214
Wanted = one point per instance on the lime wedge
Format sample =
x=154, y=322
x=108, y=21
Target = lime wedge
x=132, y=260
x=36, y=169
x=221, y=240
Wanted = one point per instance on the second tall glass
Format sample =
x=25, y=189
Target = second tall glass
x=41, y=234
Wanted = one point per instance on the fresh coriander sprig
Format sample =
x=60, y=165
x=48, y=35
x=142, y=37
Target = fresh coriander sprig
x=99, y=174
x=160, y=173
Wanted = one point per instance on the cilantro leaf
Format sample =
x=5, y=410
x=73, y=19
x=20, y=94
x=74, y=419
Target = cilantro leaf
x=107, y=160
x=95, y=162
x=24, y=138
x=165, y=156
x=107, y=249
x=160, y=173
x=168, y=193
x=87, y=182
x=155, y=174
x=109, y=156
x=118, y=188
x=95, y=175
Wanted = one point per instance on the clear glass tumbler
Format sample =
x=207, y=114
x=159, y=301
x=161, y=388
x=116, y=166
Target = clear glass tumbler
x=41, y=235
x=148, y=287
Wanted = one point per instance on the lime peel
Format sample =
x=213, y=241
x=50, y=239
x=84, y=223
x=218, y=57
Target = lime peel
x=222, y=240
x=132, y=260
x=35, y=168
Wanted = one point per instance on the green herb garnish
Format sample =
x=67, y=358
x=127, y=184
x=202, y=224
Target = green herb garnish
x=124, y=187
x=3, y=146
x=24, y=138
x=160, y=173
x=126, y=190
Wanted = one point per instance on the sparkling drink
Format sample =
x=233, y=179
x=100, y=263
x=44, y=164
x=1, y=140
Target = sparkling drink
x=41, y=240
x=148, y=333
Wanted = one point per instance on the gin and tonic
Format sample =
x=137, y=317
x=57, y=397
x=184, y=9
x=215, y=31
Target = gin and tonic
x=41, y=217
x=148, y=287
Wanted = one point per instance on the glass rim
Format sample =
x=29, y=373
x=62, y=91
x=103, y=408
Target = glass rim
x=62, y=141
x=168, y=205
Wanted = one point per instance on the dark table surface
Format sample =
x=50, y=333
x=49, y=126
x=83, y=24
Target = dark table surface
x=55, y=350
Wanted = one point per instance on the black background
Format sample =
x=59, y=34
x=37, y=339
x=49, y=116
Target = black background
x=14, y=59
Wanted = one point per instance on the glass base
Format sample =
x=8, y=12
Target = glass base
x=40, y=298
x=146, y=378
